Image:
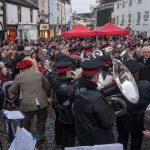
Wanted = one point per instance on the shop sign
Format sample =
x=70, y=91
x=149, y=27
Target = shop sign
x=27, y=27
x=44, y=27
x=11, y=28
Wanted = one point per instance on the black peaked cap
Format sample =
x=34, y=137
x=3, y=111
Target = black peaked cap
x=63, y=64
x=133, y=65
x=91, y=64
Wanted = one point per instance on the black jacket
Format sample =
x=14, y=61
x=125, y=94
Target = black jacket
x=145, y=71
x=93, y=117
x=133, y=119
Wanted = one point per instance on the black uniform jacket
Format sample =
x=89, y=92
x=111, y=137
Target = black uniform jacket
x=55, y=81
x=93, y=116
x=133, y=119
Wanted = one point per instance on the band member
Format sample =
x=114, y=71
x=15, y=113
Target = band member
x=93, y=116
x=104, y=45
x=105, y=77
x=132, y=122
x=64, y=128
x=73, y=52
x=88, y=52
x=132, y=51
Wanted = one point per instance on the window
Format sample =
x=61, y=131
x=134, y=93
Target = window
x=132, y=32
x=123, y=4
x=58, y=22
x=139, y=1
x=31, y=15
x=129, y=19
x=117, y=22
x=130, y=2
x=1, y=7
x=145, y=33
x=117, y=5
x=138, y=32
x=58, y=6
x=146, y=15
x=138, y=18
x=122, y=22
x=19, y=14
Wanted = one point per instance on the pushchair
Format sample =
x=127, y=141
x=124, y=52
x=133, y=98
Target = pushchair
x=10, y=100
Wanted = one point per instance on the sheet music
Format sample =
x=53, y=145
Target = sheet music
x=148, y=107
x=23, y=140
x=13, y=114
x=98, y=147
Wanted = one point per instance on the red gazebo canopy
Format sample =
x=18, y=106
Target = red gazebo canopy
x=110, y=29
x=79, y=30
x=97, y=29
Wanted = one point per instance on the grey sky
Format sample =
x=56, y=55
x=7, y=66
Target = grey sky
x=81, y=6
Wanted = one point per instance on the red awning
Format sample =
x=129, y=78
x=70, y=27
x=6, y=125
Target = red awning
x=110, y=29
x=79, y=30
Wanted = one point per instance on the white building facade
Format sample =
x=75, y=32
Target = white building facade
x=64, y=15
x=68, y=13
x=53, y=17
x=43, y=18
x=133, y=14
x=22, y=22
x=60, y=15
x=1, y=22
x=1, y=16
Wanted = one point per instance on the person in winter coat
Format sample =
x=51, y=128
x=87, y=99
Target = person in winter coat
x=94, y=117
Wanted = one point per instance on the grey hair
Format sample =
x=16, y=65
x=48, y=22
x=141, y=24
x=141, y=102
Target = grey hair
x=146, y=48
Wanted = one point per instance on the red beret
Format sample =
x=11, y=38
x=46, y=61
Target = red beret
x=24, y=64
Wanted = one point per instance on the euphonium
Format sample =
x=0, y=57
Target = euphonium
x=82, y=57
x=97, y=53
x=124, y=80
x=109, y=49
x=124, y=56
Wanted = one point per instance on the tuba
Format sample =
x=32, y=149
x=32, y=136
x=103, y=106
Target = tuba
x=82, y=57
x=124, y=56
x=97, y=53
x=108, y=50
x=126, y=84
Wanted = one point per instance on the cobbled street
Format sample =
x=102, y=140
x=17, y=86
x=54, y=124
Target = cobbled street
x=50, y=142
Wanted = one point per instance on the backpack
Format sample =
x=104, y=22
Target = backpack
x=64, y=104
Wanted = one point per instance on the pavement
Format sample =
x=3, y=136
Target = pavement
x=50, y=142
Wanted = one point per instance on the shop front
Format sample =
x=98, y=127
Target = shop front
x=29, y=32
x=11, y=32
x=44, y=31
x=52, y=31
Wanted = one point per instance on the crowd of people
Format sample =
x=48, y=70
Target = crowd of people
x=67, y=71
